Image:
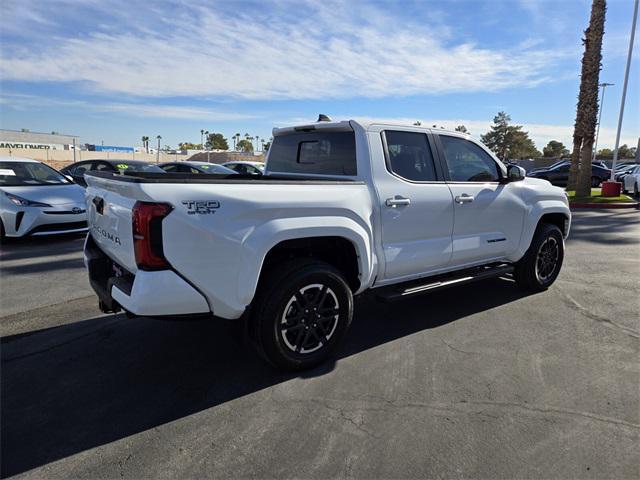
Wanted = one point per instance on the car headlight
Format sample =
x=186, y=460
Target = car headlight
x=23, y=202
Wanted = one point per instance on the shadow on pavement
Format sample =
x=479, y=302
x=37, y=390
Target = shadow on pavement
x=71, y=388
x=599, y=226
x=44, y=246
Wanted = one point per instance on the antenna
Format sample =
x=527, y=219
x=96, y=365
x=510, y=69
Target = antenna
x=323, y=118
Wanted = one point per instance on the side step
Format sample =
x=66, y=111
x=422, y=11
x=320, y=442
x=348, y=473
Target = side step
x=425, y=285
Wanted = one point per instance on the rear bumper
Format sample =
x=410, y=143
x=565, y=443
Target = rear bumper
x=157, y=293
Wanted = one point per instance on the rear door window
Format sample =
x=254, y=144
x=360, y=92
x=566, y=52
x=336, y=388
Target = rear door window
x=409, y=156
x=318, y=153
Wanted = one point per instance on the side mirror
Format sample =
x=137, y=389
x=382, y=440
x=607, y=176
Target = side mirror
x=515, y=173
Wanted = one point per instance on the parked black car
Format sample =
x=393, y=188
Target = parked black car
x=196, y=167
x=78, y=169
x=559, y=174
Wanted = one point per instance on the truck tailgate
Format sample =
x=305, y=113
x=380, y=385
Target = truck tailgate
x=109, y=206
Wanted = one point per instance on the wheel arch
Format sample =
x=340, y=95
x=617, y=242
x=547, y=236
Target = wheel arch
x=345, y=244
x=554, y=212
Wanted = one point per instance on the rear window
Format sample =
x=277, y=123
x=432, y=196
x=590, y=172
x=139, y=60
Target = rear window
x=320, y=153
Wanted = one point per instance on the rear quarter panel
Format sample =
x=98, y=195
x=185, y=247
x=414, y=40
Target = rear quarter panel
x=222, y=252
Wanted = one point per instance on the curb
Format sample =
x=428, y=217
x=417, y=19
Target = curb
x=599, y=206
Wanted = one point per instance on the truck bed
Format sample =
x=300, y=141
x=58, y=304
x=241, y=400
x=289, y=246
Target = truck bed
x=153, y=177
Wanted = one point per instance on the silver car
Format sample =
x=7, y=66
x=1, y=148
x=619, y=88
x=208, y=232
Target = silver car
x=35, y=199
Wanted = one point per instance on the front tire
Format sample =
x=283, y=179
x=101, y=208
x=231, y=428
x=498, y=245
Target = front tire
x=636, y=194
x=540, y=266
x=595, y=182
x=301, y=313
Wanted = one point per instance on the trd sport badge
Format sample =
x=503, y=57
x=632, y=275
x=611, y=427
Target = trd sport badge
x=201, y=207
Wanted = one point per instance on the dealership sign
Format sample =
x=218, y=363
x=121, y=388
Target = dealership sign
x=40, y=146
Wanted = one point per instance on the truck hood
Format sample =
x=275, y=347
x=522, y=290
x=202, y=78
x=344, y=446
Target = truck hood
x=536, y=181
x=51, y=194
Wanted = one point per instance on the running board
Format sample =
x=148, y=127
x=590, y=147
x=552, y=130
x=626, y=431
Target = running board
x=405, y=290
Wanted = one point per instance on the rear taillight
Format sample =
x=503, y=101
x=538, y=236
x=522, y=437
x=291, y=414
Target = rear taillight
x=147, y=234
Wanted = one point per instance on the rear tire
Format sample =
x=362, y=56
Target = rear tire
x=595, y=182
x=2, y=233
x=540, y=266
x=301, y=313
x=635, y=190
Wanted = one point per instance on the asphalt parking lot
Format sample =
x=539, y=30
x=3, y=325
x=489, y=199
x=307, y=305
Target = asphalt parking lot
x=479, y=381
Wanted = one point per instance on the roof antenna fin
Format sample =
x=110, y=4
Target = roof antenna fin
x=323, y=118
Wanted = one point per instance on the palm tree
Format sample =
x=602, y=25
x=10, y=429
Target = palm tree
x=587, y=110
x=257, y=144
x=206, y=144
x=145, y=143
x=201, y=138
x=158, y=151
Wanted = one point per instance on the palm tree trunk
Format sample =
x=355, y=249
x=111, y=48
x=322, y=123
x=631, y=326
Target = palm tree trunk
x=575, y=162
x=587, y=115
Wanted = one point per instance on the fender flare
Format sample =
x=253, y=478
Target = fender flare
x=532, y=219
x=279, y=230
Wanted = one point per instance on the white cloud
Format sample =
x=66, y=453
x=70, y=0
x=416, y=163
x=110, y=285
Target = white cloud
x=34, y=102
x=540, y=133
x=329, y=50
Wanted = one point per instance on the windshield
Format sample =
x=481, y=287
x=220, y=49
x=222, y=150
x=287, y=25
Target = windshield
x=18, y=174
x=137, y=167
x=219, y=169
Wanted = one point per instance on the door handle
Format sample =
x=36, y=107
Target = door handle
x=464, y=198
x=398, y=201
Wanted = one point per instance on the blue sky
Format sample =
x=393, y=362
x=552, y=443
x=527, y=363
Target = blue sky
x=115, y=70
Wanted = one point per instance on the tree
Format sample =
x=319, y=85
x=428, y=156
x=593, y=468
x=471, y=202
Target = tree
x=417, y=123
x=189, y=146
x=244, y=145
x=555, y=149
x=625, y=152
x=587, y=108
x=461, y=128
x=266, y=146
x=145, y=143
x=509, y=141
x=216, y=141
x=605, y=154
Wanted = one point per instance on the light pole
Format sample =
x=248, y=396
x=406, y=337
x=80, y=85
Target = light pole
x=207, y=148
x=604, y=85
x=624, y=88
x=158, y=150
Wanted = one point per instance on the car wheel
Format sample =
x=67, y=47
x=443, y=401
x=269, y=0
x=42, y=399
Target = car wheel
x=540, y=266
x=595, y=182
x=1, y=230
x=301, y=313
x=635, y=190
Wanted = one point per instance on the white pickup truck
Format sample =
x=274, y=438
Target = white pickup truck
x=343, y=207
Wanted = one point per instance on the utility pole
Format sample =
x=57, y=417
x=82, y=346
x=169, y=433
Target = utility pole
x=624, y=88
x=604, y=85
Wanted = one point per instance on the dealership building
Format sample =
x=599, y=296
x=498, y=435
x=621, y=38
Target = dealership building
x=15, y=140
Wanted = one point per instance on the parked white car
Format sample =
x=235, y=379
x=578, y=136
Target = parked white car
x=632, y=181
x=343, y=207
x=35, y=199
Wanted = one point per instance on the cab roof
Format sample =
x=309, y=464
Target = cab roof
x=347, y=125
